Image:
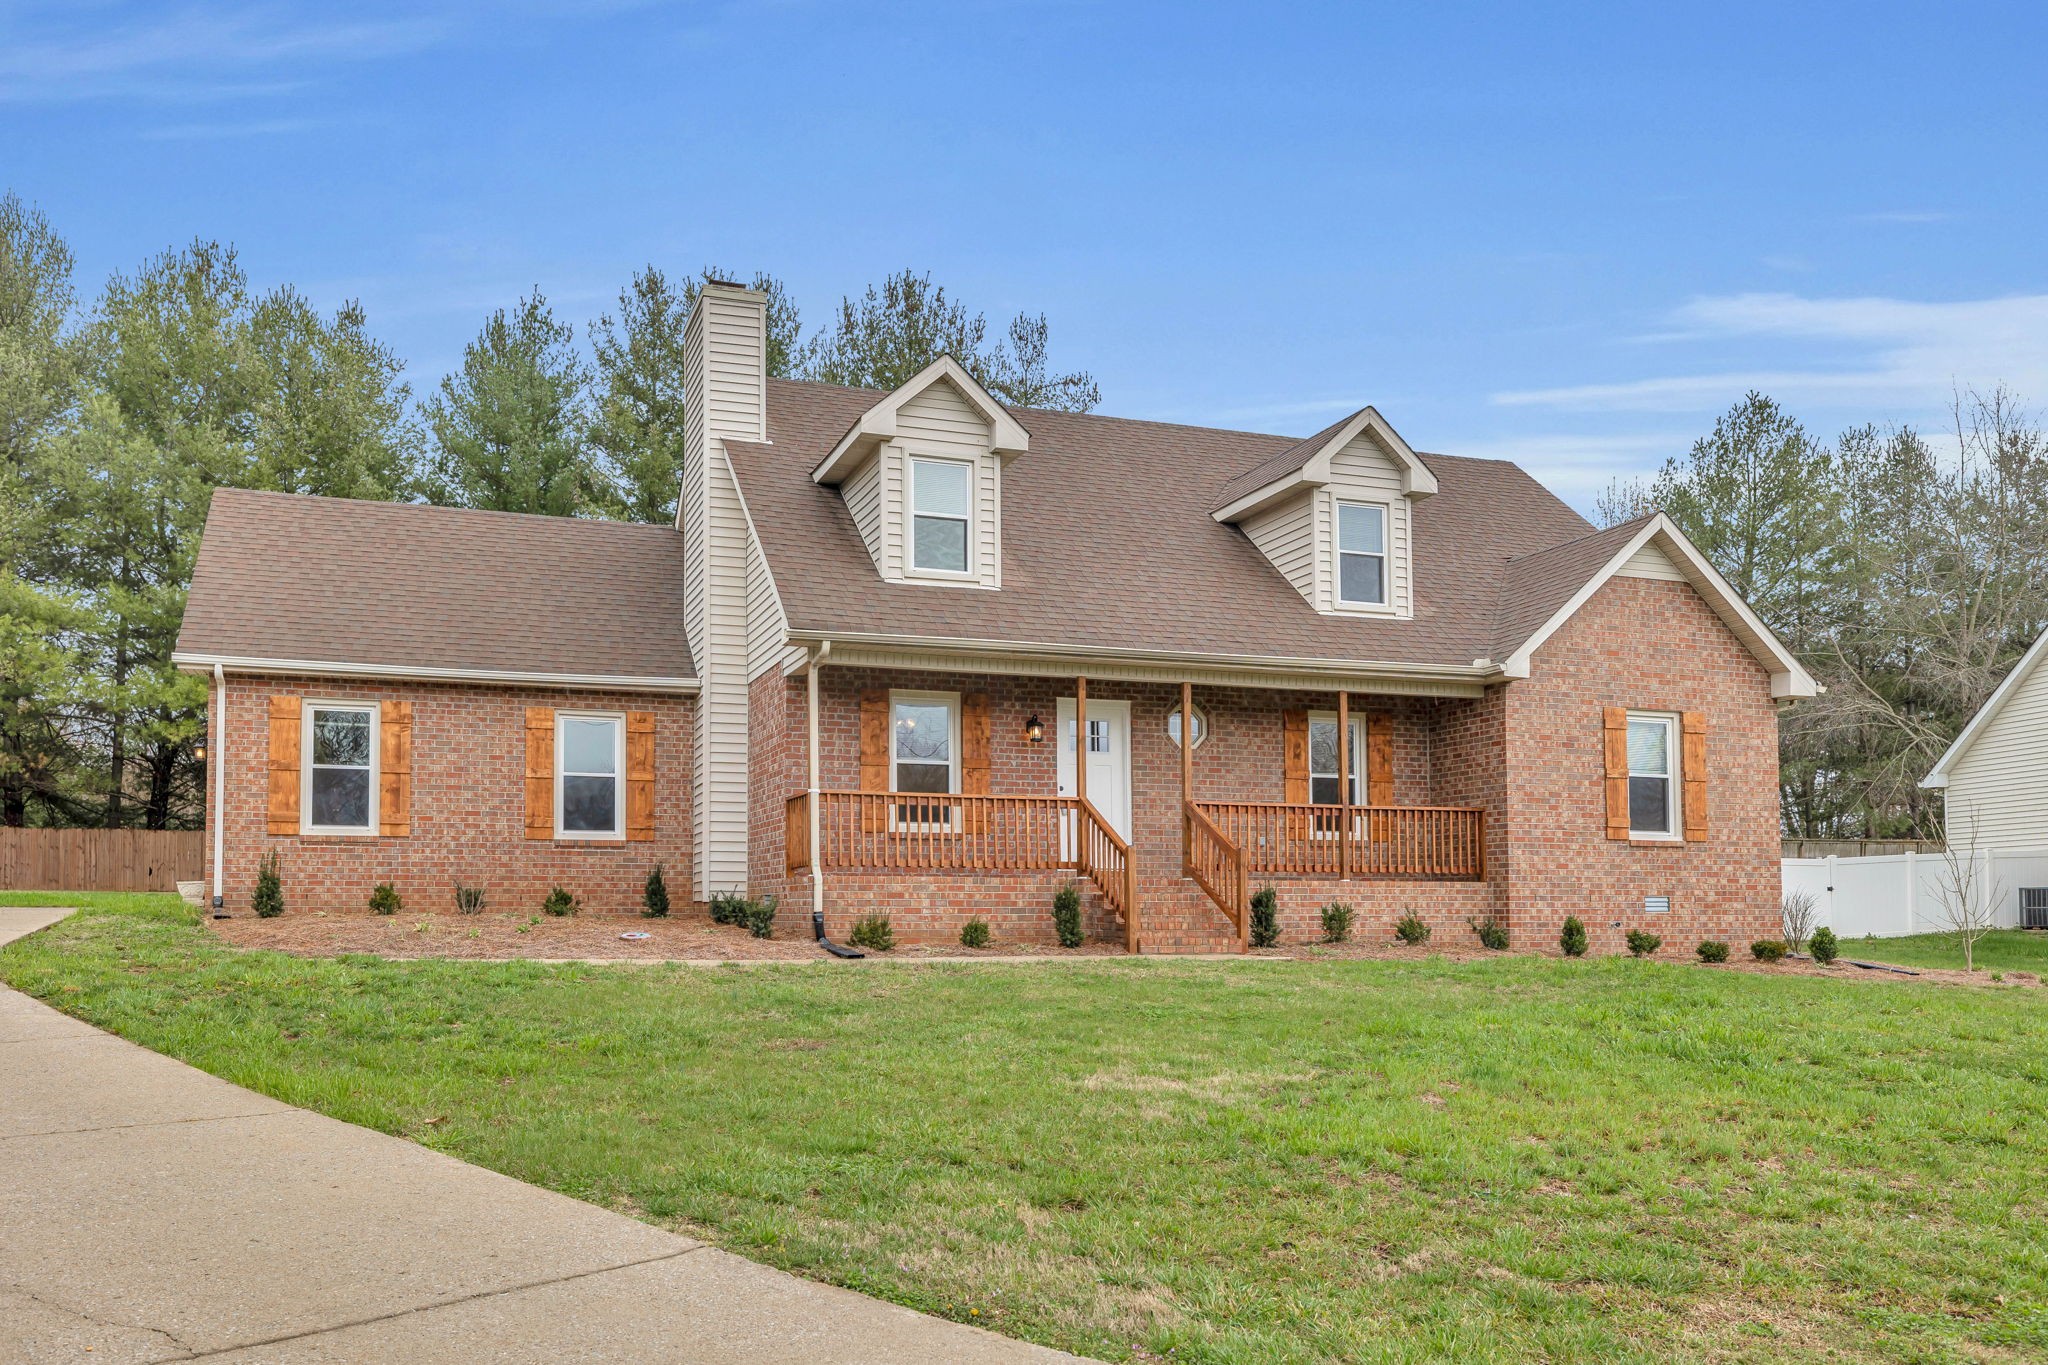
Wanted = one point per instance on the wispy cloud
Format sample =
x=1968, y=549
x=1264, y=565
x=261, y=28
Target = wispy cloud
x=1900, y=353
x=212, y=132
x=1904, y=216
x=199, y=51
x=1579, y=468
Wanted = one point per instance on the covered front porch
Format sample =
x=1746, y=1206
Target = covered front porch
x=956, y=792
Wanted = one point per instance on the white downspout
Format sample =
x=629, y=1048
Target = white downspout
x=219, y=775
x=811, y=740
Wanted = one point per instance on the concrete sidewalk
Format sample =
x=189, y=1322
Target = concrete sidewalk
x=150, y=1212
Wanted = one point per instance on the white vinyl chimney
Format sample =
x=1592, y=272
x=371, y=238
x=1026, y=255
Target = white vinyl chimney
x=725, y=389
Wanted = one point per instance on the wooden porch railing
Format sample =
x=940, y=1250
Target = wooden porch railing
x=942, y=830
x=1385, y=841
x=1218, y=867
x=1104, y=856
x=796, y=832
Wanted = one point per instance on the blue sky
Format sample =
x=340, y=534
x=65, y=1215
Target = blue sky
x=1568, y=235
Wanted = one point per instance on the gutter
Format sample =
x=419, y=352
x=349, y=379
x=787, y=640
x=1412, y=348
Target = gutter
x=219, y=784
x=331, y=668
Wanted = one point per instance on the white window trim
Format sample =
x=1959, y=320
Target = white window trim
x=1357, y=754
x=949, y=700
x=1386, y=556
x=617, y=832
x=1674, y=815
x=376, y=802
x=911, y=568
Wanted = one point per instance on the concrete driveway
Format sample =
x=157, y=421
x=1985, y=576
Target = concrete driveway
x=151, y=1212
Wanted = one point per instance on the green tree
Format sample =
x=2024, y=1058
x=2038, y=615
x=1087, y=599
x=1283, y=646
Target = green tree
x=885, y=337
x=509, y=428
x=332, y=414
x=38, y=352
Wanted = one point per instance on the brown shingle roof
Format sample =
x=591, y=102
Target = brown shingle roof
x=1536, y=585
x=400, y=585
x=1288, y=461
x=1108, y=542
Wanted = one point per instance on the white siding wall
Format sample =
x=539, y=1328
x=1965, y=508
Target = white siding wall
x=1286, y=535
x=767, y=624
x=1650, y=562
x=2000, y=785
x=863, y=494
x=724, y=378
x=1364, y=472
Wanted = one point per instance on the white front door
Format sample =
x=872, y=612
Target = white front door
x=1109, y=759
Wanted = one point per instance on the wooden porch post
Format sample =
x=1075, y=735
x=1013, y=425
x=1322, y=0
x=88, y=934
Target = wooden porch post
x=1343, y=786
x=1081, y=738
x=1187, y=772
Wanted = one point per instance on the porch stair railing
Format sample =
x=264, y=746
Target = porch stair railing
x=1102, y=854
x=1217, y=865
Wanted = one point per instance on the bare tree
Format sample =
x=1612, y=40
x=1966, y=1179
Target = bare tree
x=1967, y=893
x=1799, y=911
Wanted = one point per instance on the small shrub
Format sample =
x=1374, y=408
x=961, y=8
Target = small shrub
x=1824, y=946
x=1492, y=933
x=268, y=898
x=654, y=898
x=1573, y=939
x=1713, y=950
x=1769, y=950
x=1337, y=917
x=385, y=900
x=1412, y=931
x=1066, y=915
x=728, y=907
x=469, y=900
x=1642, y=943
x=1798, y=910
x=873, y=933
x=761, y=917
x=1265, y=925
x=974, y=934
x=560, y=902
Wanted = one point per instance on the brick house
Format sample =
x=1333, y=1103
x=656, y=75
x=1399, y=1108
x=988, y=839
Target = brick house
x=922, y=655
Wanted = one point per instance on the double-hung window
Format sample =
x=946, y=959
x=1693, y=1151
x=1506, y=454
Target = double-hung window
x=1323, y=783
x=1653, y=776
x=340, y=744
x=1361, y=554
x=940, y=498
x=590, y=795
x=924, y=752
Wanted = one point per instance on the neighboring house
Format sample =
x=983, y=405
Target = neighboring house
x=1993, y=801
x=854, y=675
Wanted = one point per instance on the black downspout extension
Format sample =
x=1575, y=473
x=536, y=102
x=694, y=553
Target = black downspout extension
x=836, y=949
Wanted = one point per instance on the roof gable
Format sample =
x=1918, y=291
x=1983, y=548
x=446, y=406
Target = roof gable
x=1306, y=464
x=878, y=424
x=1987, y=714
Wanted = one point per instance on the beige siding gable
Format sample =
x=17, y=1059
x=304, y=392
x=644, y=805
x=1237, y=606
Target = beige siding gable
x=1286, y=535
x=1650, y=562
x=863, y=494
x=938, y=422
x=1999, y=785
x=1365, y=471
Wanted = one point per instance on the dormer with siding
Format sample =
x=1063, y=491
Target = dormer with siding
x=921, y=473
x=1332, y=514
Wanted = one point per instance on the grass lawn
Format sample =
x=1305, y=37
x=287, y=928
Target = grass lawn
x=1516, y=1159
x=2001, y=950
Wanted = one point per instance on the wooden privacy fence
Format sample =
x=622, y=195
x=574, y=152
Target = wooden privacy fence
x=100, y=859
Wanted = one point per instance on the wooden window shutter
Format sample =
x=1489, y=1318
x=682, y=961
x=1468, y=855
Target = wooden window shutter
x=540, y=772
x=1294, y=756
x=394, y=768
x=1379, y=758
x=284, y=765
x=639, y=774
x=874, y=755
x=1616, y=736
x=1692, y=727
x=974, y=759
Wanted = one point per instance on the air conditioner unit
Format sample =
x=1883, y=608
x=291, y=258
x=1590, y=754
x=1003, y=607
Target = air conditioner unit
x=2034, y=907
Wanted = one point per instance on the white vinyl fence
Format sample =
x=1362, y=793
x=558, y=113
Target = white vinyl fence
x=1903, y=894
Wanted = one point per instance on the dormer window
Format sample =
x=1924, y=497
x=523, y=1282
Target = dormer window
x=941, y=502
x=1361, y=554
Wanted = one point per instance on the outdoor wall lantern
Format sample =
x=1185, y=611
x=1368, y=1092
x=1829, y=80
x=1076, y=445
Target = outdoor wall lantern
x=199, y=752
x=1034, y=730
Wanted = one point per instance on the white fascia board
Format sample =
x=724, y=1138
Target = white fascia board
x=1460, y=673
x=330, y=668
x=1007, y=436
x=1937, y=777
x=1282, y=488
x=1789, y=677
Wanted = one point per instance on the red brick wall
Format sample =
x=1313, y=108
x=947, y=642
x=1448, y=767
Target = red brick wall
x=1654, y=646
x=468, y=805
